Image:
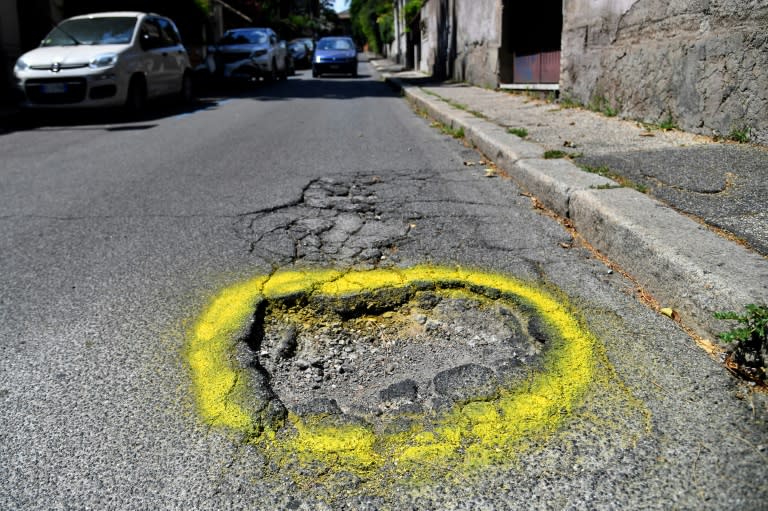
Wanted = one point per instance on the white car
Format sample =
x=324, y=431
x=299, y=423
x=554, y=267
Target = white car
x=106, y=59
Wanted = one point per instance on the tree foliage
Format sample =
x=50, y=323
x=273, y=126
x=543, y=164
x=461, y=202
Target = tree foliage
x=372, y=22
x=412, y=9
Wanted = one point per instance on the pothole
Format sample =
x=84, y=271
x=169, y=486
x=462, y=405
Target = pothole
x=388, y=374
x=378, y=355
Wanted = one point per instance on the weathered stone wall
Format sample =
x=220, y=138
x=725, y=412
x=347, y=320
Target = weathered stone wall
x=430, y=44
x=701, y=63
x=478, y=37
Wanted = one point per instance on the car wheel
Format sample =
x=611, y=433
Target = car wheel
x=136, y=101
x=187, y=92
x=315, y=74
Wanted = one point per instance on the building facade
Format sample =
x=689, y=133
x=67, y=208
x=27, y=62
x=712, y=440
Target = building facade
x=700, y=64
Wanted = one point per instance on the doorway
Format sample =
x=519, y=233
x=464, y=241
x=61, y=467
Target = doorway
x=530, y=42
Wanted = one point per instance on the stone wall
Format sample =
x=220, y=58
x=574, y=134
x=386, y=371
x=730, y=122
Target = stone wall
x=478, y=38
x=702, y=64
x=431, y=14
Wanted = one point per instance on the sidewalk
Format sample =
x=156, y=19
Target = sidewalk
x=675, y=238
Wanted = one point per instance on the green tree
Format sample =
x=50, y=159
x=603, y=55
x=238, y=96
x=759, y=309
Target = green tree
x=372, y=22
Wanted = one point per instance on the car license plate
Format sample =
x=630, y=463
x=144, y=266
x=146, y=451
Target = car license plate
x=53, y=88
x=334, y=66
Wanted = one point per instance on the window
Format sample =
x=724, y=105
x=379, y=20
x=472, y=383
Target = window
x=168, y=32
x=150, y=35
x=117, y=30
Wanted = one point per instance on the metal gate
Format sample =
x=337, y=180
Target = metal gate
x=541, y=67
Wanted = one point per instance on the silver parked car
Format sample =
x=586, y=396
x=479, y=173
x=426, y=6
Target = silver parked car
x=106, y=59
x=251, y=53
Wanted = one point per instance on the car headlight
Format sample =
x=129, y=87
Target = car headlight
x=258, y=53
x=105, y=60
x=20, y=65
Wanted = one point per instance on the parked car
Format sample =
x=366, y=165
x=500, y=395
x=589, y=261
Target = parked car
x=106, y=59
x=251, y=53
x=301, y=53
x=289, y=63
x=335, y=55
x=308, y=41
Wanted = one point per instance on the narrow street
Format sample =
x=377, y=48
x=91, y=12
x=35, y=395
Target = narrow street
x=116, y=238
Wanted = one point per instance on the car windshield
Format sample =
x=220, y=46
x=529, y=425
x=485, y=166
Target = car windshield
x=244, y=37
x=335, y=44
x=113, y=30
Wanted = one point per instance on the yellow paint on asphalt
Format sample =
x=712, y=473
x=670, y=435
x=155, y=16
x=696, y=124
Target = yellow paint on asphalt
x=473, y=434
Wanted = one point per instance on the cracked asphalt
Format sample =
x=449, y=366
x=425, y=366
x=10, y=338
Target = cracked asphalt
x=115, y=236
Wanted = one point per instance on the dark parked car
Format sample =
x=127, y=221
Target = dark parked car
x=306, y=40
x=301, y=53
x=335, y=55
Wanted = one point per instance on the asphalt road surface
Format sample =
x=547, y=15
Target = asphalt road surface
x=115, y=236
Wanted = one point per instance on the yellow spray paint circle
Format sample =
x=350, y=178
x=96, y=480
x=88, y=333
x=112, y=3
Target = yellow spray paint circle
x=471, y=435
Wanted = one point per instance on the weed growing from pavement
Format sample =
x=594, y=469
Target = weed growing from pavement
x=520, y=132
x=457, y=105
x=751, y=339
x=454, y=132
x=668, y=124
x=623, y=181
x=479, y=115
x=569, y=102
x=449, y=130
x=740, y=134
x=553, y=154
x=603, y=105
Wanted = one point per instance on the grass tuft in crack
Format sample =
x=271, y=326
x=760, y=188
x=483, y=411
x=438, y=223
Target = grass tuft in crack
x=750, y=354
x=740, y=134
x=606, y=172
x=554, y=154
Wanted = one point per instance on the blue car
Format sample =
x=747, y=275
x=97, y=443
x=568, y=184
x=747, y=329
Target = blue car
x=335, y=55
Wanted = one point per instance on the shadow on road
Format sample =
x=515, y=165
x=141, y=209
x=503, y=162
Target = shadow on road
x=110, y=119
x=210, y=96
x=303, y=86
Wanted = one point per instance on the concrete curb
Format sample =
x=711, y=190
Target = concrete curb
x=683, y=264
